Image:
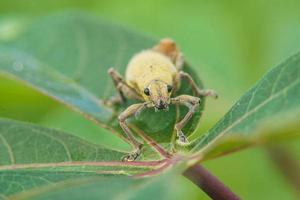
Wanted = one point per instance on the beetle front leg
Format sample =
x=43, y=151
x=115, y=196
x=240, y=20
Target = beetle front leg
x=131, y=110
x=198, y=92
x=192, y=103
x=123, y=89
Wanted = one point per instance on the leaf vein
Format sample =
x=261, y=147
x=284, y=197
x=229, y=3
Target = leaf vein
x=58, y=140
x=9, y=149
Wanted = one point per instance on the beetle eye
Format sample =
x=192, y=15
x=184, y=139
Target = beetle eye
x=169, y=88
x=147, y=91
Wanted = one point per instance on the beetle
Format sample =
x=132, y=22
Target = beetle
x=153, y=76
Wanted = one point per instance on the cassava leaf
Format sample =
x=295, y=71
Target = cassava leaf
x=269, y=109
x=66, y=56
x=32, y=156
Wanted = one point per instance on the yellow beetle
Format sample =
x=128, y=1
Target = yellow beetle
x=153, y=76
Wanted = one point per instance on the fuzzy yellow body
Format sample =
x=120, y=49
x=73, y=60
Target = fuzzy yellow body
x=153, y=76
x=148, y=66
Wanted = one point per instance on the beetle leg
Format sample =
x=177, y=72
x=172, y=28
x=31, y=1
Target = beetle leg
x=123, y=89
x=169, y=48
x=198, y=92
x=192, y=103
x=176, y=84
x=131, y=110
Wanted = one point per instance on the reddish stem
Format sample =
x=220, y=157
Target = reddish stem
x=213, y=187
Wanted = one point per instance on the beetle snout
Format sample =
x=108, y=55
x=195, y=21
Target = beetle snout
x=161, y=105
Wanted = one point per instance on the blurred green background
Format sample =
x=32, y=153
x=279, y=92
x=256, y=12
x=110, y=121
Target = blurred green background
x=231, y=44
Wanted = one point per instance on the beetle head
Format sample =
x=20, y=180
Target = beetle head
x=158, y=92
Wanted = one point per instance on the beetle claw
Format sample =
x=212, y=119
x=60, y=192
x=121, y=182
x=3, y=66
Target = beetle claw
x=182, y=140
x=131, y=156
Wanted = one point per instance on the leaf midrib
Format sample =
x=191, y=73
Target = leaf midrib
x=147, y=164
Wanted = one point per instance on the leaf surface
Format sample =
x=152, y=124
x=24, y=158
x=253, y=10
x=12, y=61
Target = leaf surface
x=32, y=156
x=107, y=188
x=271, y=107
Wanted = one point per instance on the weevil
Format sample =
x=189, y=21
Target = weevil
x=153, y=76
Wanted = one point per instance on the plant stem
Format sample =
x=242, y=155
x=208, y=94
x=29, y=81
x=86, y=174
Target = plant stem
x=210, y=184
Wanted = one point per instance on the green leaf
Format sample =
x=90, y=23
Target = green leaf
x=107, y=188
x=32, y=156
x=66, y=57
x=269, y=109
